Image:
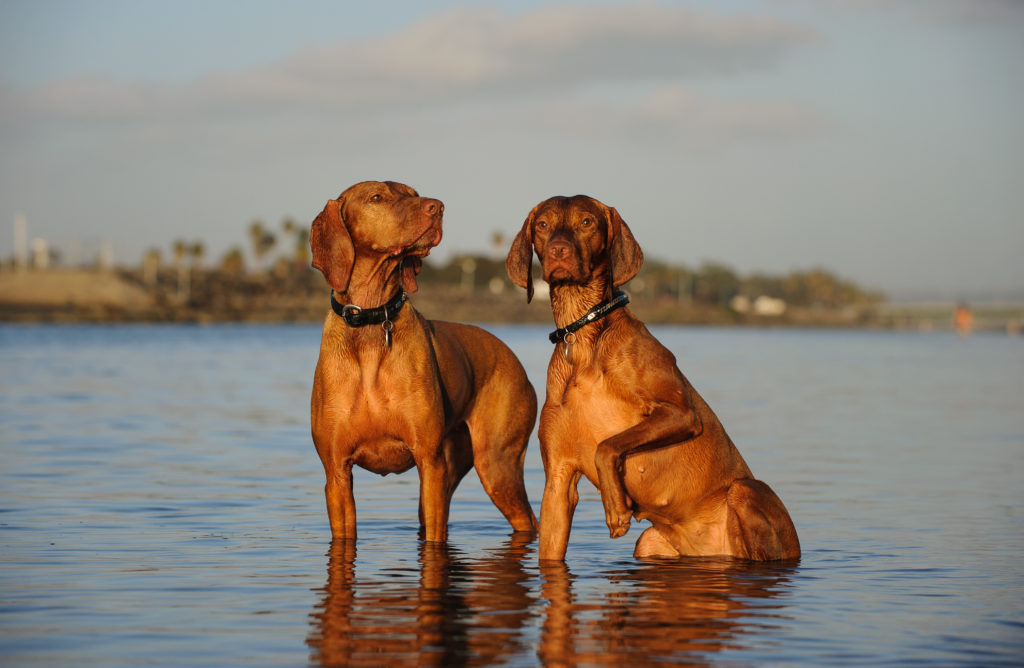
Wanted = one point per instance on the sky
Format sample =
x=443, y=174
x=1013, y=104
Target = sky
x=879, y=139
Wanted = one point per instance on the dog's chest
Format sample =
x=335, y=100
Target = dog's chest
x=375, y=401
x=586, y=406
x=378, y=409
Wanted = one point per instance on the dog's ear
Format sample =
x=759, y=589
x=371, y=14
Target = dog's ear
x=519, y=263
x=333, y=251
x=624, y=252
x=410, y=267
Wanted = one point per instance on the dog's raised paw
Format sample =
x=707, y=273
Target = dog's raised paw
x=618, y=523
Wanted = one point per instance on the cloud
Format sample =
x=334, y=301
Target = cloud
x=456, y=56
x=675, y=112
x=677, y=105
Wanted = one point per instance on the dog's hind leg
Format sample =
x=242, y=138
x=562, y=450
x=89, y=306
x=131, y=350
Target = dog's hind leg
x=758, y=525
x=458, y=450
x=499, y=464
x=652, y=543
x=439, y=477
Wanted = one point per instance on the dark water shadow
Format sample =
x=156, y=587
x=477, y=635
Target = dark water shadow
x=675, y=610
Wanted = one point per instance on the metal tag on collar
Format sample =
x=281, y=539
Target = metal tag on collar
x=388, y=327
x=569, y=339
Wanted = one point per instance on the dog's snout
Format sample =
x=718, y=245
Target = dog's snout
x=433, y=207
x=559, y=249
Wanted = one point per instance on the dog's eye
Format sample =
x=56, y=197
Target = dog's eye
x=587, y=222
x=542, y=224
x=376, y=197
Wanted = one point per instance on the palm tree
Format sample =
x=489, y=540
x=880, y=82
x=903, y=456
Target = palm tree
x=498, y=243
x=180, y=250
x=151, y=266
x=197, y=251
x=302, y=252
x=262, y=241
x=301, y=236
x=233, y=262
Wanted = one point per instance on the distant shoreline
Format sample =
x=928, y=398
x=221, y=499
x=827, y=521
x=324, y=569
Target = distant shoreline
x=111, y=297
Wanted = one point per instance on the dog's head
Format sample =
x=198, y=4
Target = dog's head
x=384, y=218
x=576, y=239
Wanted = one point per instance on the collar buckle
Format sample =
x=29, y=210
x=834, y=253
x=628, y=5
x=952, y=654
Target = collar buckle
x=357, y=316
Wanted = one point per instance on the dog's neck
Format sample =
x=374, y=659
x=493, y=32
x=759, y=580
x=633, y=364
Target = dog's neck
x=375, y=279
x=570, y=302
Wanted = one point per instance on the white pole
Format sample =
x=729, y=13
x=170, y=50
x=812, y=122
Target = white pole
x=20, y=241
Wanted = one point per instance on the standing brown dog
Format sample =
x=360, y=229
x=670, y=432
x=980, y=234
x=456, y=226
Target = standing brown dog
x=392, y=389
x=620, y=412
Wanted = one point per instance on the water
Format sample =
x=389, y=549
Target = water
x=161, y=503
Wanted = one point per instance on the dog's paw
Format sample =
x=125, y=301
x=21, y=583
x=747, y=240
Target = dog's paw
x=618, y=522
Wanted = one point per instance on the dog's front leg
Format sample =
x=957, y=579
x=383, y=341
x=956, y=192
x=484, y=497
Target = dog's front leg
x=341, y=503
x=666, y=424
x=434, y=498
x=558, y=505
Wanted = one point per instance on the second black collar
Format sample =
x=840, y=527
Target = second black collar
x=618, y=300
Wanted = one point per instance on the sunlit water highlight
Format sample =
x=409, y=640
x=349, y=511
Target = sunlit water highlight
x=161, y=503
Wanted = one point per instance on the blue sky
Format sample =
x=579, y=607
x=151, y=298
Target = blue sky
x=880, y=140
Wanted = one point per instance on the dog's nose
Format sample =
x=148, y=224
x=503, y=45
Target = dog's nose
x=433, y=207
x=558, y=249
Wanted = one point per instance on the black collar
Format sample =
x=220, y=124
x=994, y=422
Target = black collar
x=618, y=300
x=355, y=316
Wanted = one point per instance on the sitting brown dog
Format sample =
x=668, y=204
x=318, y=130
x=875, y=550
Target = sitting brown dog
x=620, y=412
x=392, y=389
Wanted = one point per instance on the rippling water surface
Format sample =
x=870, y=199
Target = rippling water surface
x=161, y=503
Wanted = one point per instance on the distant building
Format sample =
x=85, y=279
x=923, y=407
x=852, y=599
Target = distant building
x=763, y=305
x=40, y=254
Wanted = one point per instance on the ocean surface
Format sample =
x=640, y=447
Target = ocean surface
x=161, y=504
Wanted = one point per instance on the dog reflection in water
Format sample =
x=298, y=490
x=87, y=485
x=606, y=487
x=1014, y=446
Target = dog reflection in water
x=658, y=610
x=460, y=608
x=483, y=610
